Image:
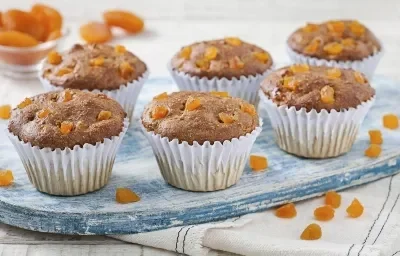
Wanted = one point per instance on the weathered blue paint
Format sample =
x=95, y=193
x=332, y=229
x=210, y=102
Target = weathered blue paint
x=288, y=179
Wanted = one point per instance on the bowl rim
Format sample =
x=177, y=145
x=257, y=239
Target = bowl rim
x=39, y=47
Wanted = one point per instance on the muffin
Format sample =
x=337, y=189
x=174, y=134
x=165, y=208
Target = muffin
x=228, y=64
x=68, y=140
x=316, y=111
x=99, y=68
x=201, y=140
x=336, y=43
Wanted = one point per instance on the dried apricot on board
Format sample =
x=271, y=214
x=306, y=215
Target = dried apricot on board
x=6, y=177
x=373, y=151
x=258, y=163
x=333, y=199
x=123, y=19
x=312, y=232
x=24, y=22
x=391, y=121
x=54, y=35
x=5, y=112
x=50, y=17
x=324, y=213
x=126, y=196
x=95, y=32
x=375, y=137
x=17, y=39
x=355, y=209
x=286, y=211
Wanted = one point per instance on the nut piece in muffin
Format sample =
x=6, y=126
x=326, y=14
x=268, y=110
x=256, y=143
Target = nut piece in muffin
x=318, y=88
x=199, y=117
x=223, y=58
x=59, y=120
x=93, y=66
x=339, y=40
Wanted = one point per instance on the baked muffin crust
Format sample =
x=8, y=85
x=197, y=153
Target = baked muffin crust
x=223, y=58
x=310, y=87
x=67, y=118
x=341, y=40
x=204, y=121
x=94, y=66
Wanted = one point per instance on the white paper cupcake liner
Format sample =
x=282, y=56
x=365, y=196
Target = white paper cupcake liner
x=69, y=172
x=366, y=66
x=126, y=95
x=312, y=134
x=206, y=167
x=245, y=88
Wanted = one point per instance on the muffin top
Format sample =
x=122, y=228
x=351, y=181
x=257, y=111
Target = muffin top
x=199, y=116
x=67, y=118
x=310, y=87
x=224, y=58
x=341, y=40
x=93, y=66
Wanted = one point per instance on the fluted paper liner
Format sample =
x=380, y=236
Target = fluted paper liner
x=246, y=87
x=126, y=94
x=206, y=167
x=366, y=66
x=312, y=134
x=69, y=172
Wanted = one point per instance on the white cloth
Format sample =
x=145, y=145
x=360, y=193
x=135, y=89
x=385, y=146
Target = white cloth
x=376, y=232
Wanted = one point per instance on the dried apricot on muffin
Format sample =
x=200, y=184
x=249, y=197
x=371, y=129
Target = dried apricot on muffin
x=123, y=19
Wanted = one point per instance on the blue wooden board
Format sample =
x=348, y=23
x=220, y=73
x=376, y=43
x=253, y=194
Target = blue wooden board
x=288, y=179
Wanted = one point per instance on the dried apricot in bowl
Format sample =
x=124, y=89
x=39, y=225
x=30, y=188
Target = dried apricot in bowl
x=95, y=32
x=123, y=19
x=17, y=39
x=48, y=16
x=23, y=22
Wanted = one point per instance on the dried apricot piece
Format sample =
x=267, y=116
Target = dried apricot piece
x=5, y=111
x=126, y=196
x=104, y=115
x=375, y=137
x=333, y=48
x=185, y=52
x=359, y=77
x=159, y=112
x=248, y=108
x=44, y=113
x=355, y=209
x=310, y=27
x=24, y=22
x=290, y=83
x=336, y=27
x=95, y=32
x=52, y=18
x=258, y=163
x=120, y=49
x=26, y=102
x=126, y=70
x=227, y=118
x=192, y=104
x=63, y=71
x=357, y=28
x=54, y=58
x=233, y=41
x=17, y=39
x=373, y=151
x=6, y=177
x=161, y=96
x=54, y=35
x=391, y=121
x=66, y=127
x=220, y=94
x=202, y=64
x=97, y=62
x=236, y=63
x=81, y=125
x=311, y=232
x=67, y=95
x=333, y=73
x=286, y=211
x=348, y=42
x=333, y=199
x=327, y=94
x=299, y=68
x=123, y=19
x=211, y=53
x=313, y=46
x=324, y=213
x=261, y=56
